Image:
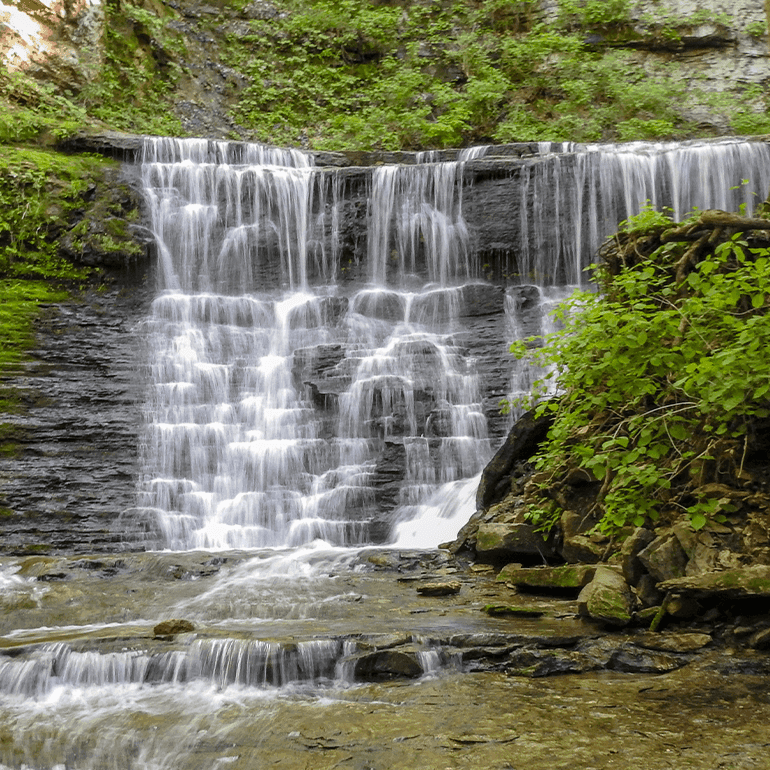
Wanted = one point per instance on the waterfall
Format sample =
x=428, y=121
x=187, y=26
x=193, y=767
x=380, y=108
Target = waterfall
x=303, y=387
x=239, y=450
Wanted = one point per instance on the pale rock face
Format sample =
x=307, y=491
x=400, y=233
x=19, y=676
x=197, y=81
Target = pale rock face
x=54, y=40
x=709, y=44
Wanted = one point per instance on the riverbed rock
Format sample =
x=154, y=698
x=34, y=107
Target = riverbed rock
x=387, y=664
x=440, y=588
x=673, y=642
x=607, y=598
x=167, y=629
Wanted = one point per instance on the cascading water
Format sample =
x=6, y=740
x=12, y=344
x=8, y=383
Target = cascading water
x=296, y=410
x=237, y=454
x=283, y=393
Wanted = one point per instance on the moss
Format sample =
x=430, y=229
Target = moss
x=50, y=218
x=11, y=439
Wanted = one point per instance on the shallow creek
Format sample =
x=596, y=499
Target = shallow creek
x=305, y=659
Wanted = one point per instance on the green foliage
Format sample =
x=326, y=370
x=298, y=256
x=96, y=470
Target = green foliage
x=32, y=111
x=134, y=89
x=594, y=13
x=757, y=29
x=658, y=382
x=38, y=190
x=335, y=74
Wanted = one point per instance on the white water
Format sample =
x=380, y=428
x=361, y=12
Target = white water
x=237, y=454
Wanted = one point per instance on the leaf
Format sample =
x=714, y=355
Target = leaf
x=698, y=521
x=678, y=431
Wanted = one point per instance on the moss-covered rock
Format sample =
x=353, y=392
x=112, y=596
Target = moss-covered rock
x=572, y=576
x=607, y=598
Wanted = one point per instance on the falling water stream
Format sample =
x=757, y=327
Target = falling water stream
x=295, y=418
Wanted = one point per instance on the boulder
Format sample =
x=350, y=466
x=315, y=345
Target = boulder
x=387, y=664
x=507, y=542
x=522, y=442
x=607, y=598
x=701, y=548
x=170, y=628
x=582, y=549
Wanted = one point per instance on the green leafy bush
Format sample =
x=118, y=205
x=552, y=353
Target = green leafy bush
x=661, y=377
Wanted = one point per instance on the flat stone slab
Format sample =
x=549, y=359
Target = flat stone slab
x=682, y=642
x=440, y=588
x=744, y=582
x=549, y=578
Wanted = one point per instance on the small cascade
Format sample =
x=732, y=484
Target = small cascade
x=220, y=662
x=416, y=223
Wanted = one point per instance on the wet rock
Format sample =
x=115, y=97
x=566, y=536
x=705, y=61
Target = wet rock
x=522, y=442
x=387, y=664
x=632, y=567
x=525, y=297
x=607, y=598
x=664, y=558
x=440, y=588
x=539, y=663
x=482, y=299
x=634, y=661
x=170, y=628
x=77, y=467
x=549, y=578
x=674, y=642
x=505, y=542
